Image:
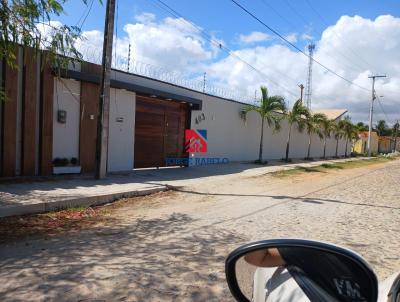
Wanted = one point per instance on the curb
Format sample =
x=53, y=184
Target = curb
x=20, y=209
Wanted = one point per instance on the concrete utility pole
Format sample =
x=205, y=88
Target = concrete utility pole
x=104, y=101
x=371, y=110
x=301, y=91
x=395, y=136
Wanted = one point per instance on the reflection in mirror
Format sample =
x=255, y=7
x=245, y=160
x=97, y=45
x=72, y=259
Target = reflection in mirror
x=301, y=274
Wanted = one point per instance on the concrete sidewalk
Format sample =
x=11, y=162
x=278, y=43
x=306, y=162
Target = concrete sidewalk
x=45, y=196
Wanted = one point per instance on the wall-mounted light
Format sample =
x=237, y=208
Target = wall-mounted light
x=61, y=116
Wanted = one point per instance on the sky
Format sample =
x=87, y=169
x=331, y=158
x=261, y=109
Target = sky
x=353, y=38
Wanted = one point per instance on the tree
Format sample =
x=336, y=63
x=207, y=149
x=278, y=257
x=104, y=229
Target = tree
x=395, y=131
x=362, y=127
x=298, y=115
x=268, y=111
x=20, y=23
x=382, y=128
x=312, y=124
x=338, y=130
x=350, y=132
x=326, y=128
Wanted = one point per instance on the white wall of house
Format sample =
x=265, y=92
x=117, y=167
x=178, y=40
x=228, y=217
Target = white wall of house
x=231, y=137
x=121, y=130
x=66, y=136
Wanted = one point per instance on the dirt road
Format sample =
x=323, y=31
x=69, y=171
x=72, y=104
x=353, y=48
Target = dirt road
x=172, y=246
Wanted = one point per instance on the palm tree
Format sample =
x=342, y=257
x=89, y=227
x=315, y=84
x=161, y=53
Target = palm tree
x=326, y=128
x=350, y=131
x=313, y=122
x=298, y=115
x=337, y=128
x=381, y=127
x=267, y=110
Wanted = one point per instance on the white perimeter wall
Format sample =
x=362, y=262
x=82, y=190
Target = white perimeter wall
x=121, y=133
x=66, y=136
x=231, y=137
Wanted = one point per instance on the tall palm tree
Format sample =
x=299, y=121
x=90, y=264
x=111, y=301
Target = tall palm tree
x=326, y=128
x=338, y=130
x=298, y=115
x=313, y=122
x=268, y=111
x=350, y=132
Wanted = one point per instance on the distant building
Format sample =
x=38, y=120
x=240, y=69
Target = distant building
x=361, y=144
x=386, y=144
x=332, y=114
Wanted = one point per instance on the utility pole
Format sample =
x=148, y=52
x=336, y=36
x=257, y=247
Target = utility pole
x=395, y=135
x=104, y=101
x=371, y=110
x=301, y=91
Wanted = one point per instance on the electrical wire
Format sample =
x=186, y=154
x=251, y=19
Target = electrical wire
x=221, y=46
x=86, y=16
x=338, y=51
x=383, y=110
x=357, y=55
x=294, y=46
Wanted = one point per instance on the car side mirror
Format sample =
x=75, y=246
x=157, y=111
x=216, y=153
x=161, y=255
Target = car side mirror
x=299, y=270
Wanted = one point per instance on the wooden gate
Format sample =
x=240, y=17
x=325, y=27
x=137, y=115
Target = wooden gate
x=159, y=131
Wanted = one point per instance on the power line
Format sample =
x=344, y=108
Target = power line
x=351, y=61
x=294, y=46
x=326, y=24
x=223, y=47
x=383, y=110
x=87, y=14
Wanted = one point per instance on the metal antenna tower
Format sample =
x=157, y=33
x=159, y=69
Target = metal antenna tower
x=308, y=93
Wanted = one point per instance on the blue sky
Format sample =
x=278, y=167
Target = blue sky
x=360, y=37
x=227, y=21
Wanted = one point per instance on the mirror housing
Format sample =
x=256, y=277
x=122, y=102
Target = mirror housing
x=312, y=251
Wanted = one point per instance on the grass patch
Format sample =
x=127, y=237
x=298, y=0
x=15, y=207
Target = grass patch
x=262, y=162
x=325, y=167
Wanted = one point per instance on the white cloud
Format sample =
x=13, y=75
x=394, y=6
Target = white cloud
x=354, y=47
x=292, y=38
x=307, y=37
x=253, y=37
x=145, y=18
x=172, y=43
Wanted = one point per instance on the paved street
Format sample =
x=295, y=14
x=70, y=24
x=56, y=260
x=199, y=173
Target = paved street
x=171, y=246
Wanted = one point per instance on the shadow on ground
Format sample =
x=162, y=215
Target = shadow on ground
x=148, y=260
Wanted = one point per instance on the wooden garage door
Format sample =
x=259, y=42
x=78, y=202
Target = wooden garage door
x=159, y=131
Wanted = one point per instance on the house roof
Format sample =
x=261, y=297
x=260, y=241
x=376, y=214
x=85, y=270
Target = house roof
x=332, y=114
x=364, y=134
x=93, y=78
x=381, y=138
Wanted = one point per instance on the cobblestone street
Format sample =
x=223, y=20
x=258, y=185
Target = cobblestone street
x=171, y=246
